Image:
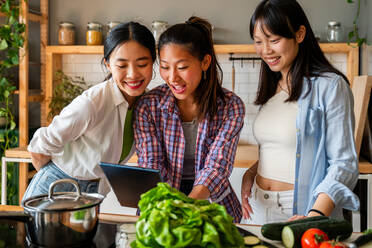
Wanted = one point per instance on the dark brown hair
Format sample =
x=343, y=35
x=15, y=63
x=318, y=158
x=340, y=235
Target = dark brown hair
x=196, y=36
x=125, y=32
x=284, y=18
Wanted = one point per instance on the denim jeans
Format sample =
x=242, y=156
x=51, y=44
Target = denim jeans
x=50, y=173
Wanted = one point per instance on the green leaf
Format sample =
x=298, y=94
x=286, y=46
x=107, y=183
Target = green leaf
x=3, y=44
x=349, y=1
x=12, y=125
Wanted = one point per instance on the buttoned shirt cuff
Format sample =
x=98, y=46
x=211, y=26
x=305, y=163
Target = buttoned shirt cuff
x=341, y=195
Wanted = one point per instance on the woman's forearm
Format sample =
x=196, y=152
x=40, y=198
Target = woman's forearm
x=200, y=192
x=39, y=160
x=324, y=204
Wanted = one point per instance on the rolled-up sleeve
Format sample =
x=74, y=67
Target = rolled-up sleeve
x=342, y=172
x=69, y=125
x=218, y=164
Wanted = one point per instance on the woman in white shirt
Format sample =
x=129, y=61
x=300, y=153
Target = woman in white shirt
x=305, y=127
x=97, y=125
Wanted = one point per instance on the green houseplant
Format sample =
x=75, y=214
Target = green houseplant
x=11, y=40
x=67, y=88
x=353, y=35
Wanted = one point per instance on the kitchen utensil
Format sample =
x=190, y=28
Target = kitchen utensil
x=61, y=219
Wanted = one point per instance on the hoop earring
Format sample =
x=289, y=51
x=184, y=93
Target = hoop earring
x=204, y=75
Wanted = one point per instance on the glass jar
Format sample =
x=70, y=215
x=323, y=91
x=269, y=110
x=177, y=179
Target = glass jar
x=334, y=32
x=126, y=234
x=158, y=27
x=66, y=33
x=111, y=25
x=94, y=33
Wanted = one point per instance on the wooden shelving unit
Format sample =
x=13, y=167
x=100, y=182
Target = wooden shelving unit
x=26, y=95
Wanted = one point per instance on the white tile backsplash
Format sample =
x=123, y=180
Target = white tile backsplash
x=246, y=79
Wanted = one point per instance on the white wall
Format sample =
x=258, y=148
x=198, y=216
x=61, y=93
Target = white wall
x=246, y=79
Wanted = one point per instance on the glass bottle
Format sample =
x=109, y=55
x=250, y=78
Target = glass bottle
x=94, y=33
x=158, y=27
x=66, y=33
x=125, y=235
x=334, y=32
x=111, y=25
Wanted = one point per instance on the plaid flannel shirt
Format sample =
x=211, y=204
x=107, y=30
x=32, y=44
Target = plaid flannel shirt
x=160, y=143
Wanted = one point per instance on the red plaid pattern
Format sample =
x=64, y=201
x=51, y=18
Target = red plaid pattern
x=160, y=143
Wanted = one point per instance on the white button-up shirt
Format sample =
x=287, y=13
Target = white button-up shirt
x=87, y=131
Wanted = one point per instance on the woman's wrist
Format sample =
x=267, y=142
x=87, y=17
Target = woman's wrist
x=315, y=212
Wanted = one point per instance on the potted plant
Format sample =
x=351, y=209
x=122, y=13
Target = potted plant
x=67, y=88
x=11, y=40
x=353, y=35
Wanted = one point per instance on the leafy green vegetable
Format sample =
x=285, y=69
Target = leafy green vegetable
x=171, y=219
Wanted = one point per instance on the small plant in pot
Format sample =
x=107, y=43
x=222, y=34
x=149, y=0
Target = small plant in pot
x=66, y=90
x=353, y=35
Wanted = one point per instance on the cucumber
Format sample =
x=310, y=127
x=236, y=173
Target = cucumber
x=292, y=234
x=251, y=240
x=362, y=240
x=273, y=231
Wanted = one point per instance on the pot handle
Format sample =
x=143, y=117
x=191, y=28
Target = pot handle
x=17, y=216
x=66, y=180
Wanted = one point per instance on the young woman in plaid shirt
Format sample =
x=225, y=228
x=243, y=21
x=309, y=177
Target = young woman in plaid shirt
x=189, y=127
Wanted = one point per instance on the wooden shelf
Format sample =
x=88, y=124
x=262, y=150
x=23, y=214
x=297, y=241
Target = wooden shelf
x=34, y=95
x=352, y=52
x=74, y=49
x=18, y=152
x=365, y=167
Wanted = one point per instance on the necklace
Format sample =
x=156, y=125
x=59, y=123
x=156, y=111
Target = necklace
x=285, y=90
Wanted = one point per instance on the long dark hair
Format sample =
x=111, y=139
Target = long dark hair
x=284, y=18
x=130, y=31
x=196, y=36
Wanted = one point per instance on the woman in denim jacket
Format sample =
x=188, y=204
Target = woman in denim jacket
x=305, y=127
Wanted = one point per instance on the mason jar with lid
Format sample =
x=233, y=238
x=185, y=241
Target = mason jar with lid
x=334, y=32
x=111, y=25
x=158, y=27
x=126, y=234
x=66, y=33
x=94, y=33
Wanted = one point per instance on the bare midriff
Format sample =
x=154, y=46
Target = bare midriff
x=272, y=185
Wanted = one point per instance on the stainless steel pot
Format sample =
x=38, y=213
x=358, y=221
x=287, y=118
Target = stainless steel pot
x=64, y=219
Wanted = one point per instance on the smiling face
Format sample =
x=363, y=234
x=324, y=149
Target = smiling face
x=131, y=67
x=181, y=71
x=276, y=51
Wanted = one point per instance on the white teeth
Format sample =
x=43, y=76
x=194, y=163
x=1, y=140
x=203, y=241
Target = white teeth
x=272, y=60
x=177, y=87
x=135, y=84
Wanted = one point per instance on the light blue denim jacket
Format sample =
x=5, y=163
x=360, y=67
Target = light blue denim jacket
x=326, y=160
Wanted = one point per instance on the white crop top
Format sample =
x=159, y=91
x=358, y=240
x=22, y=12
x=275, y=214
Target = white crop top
x=275, y=132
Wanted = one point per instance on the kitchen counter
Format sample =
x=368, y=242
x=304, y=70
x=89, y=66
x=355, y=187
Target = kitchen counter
x=246, y=156
x=119, y=218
